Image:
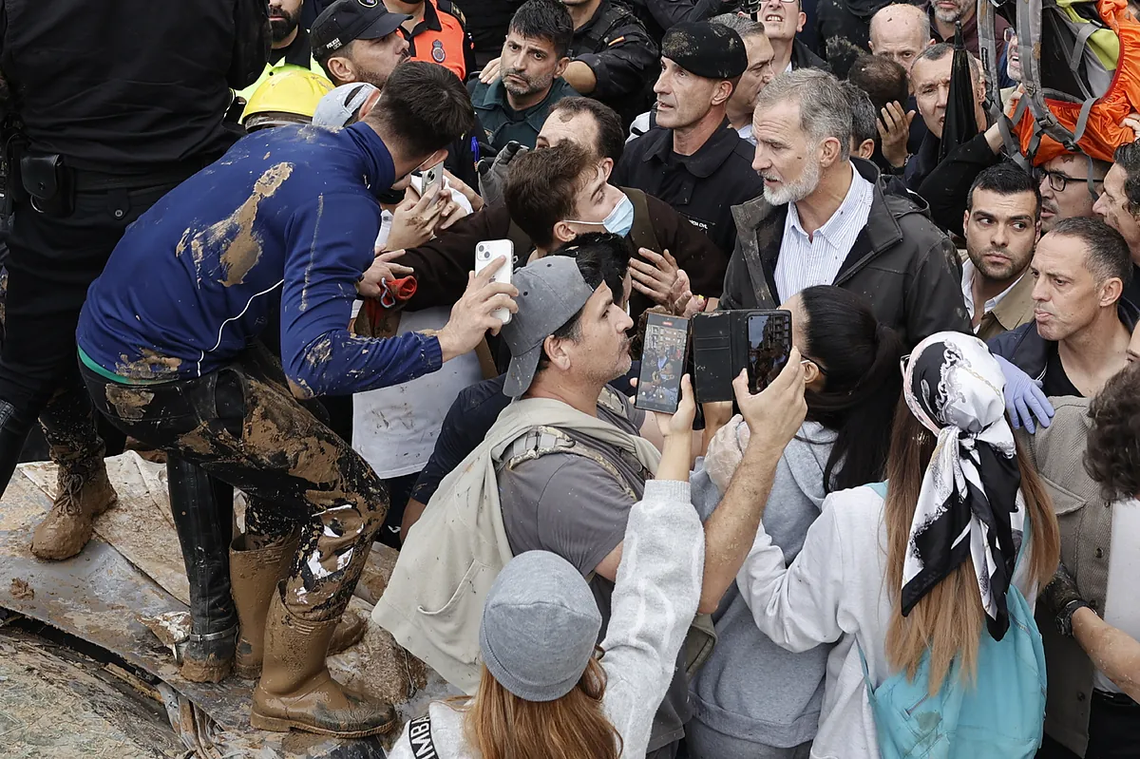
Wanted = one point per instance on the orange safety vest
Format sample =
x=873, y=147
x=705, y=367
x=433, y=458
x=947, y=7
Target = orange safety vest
x=440, y=38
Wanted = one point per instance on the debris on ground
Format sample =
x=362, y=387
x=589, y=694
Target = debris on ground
x=21, y=590
x=124, y=602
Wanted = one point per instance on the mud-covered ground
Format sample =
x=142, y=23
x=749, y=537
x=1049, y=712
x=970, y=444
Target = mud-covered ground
x=55, y=702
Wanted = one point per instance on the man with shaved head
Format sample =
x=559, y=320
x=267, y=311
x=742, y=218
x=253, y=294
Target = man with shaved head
x=900, y=32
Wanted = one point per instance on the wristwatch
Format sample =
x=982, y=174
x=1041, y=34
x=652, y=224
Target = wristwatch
x=1064, y=618
x=898, y=171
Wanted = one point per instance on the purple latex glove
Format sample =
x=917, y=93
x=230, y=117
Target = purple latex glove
x=1024, y=399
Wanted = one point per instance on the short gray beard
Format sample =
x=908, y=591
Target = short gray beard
x=951, y=19
x=793, y=192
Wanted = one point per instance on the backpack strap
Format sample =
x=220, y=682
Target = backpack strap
x=541, y=441
x=643, y=234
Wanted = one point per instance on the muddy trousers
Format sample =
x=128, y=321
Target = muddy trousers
x=249, y=432
x=53, y=261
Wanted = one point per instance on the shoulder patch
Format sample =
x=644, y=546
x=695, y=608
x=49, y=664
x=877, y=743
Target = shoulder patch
x=449, y=7
x=610, y=401
x=438, y=54
x=536, y=443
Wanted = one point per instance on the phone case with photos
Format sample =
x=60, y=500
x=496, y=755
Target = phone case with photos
x=720, y=348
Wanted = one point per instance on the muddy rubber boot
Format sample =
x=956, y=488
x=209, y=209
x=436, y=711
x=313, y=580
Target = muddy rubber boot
x=254, y=574
x=84, y=493
x=296, y=690
x=203, y=516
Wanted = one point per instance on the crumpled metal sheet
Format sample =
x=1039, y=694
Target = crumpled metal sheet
x=103, y=598
x=100, y=597
x=140, y=525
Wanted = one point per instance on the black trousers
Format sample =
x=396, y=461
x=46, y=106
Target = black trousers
x=244, y=428
x=51, y=264
x=1114, y=732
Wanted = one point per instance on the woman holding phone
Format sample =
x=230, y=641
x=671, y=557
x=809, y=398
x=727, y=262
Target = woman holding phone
x=753, y=698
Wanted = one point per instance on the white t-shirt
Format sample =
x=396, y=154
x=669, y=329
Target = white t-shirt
x=395, y=428
x=1120, y=608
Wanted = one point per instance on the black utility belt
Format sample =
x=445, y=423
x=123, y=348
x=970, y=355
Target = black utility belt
x=51, y=185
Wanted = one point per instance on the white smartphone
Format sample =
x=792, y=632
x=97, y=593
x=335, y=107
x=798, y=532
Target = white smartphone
x=486, y=252
x=432, y=176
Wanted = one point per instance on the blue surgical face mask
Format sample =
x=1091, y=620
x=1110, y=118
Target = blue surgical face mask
x=619, y=221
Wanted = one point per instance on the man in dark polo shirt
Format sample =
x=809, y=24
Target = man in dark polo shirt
x=513, y=96
x=693, y=159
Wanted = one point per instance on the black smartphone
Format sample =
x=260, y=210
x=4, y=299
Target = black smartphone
x=662, y=363
x=769, y=346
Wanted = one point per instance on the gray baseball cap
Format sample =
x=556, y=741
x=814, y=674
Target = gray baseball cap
x=342, y=104
x=540, y=625
x=551, y=291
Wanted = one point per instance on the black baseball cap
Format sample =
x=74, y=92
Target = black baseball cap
x=348, y=20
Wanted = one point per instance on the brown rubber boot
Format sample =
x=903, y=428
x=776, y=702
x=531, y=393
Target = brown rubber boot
x=84, y=494
x=296, y=690
x=254, y=574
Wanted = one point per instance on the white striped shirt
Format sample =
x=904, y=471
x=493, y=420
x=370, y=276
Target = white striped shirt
x=805, y=262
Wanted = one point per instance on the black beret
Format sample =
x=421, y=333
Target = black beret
x=709, y=50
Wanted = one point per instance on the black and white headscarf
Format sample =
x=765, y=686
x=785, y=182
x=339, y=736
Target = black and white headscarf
x=971, y=502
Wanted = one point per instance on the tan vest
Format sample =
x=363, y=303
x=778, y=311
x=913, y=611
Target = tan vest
x=433, y=604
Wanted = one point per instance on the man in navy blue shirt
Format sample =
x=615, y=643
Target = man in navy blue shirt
x=284, y=223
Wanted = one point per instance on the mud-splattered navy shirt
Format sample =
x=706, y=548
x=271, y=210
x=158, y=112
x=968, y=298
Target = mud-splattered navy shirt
x=288, y=213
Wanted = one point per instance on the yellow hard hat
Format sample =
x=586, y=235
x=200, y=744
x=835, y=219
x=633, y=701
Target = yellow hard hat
x=288, y=89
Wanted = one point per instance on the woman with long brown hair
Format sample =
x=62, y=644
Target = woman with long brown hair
x=925, y=571
x=544, y=692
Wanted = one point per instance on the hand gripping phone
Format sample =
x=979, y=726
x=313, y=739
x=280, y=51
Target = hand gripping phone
x=486, y=252
x=726, y=342
x=769, y=346
x=663, y=356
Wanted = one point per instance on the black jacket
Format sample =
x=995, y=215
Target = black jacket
x=662, y=15
x=128, y=87
x=1029, y=352
x=702, y=187
x=905, y=266
x=623, y=57
x=946, y=186
x=804, y=58
x=441, y=265
x=843, y=28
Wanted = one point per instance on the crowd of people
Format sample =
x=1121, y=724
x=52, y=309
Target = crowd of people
x=246, y=237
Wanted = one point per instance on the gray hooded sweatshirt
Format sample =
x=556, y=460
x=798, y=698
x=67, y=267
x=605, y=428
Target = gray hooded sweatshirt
x=750, y=689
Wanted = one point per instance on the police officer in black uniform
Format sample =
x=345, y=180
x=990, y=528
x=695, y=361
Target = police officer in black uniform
x=110, y=107
x=705, y=179
x=618, y=58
